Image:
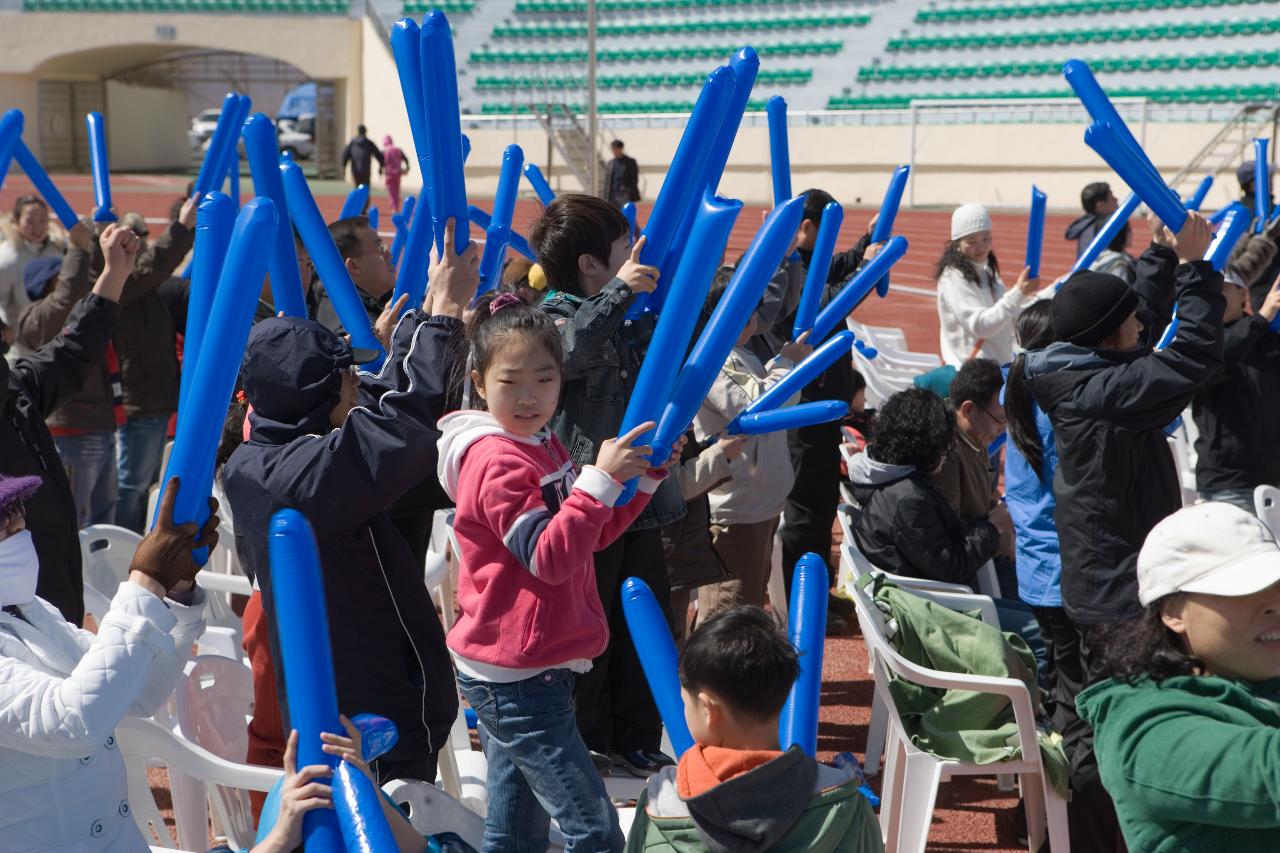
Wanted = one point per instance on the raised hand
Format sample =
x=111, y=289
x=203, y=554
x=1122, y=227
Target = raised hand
x=641, y=278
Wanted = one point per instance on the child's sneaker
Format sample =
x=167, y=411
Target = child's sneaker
x=642, y=763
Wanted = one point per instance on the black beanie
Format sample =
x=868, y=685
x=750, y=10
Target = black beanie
x=1090, y=306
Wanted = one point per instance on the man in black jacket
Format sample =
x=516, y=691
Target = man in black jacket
x=622, y=183
x=1238, y=448
x=32, y=389
x=312, y=448
x=1110, y=399
x=360, y=153
x=1099, y=203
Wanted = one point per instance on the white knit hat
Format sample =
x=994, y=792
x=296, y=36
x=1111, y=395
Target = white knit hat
x=969, y=219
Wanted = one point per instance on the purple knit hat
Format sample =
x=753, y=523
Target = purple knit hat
x=13, y=489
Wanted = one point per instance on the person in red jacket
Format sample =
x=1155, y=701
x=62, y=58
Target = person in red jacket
x=527, y=525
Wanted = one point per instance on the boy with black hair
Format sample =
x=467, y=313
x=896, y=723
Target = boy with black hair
x=1098, y=203
x=593, y=271
x=735, y=788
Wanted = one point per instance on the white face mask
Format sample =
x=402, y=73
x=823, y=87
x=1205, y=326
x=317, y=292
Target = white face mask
x=19, y=568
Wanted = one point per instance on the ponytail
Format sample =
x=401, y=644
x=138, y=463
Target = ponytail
x=1035, y=331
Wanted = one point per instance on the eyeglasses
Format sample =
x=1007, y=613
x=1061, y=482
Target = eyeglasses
x=993, y=416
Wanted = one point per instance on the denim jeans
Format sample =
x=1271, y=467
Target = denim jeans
x=1015, y=617
x=90, y=460
x=1242, y=498
x=139, y=446
x=539, y=768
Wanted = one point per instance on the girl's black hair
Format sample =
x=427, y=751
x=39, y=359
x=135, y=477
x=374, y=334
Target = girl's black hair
x=914, y=427
x=1122, y=237
x=1144, y=647
x=1035, y=331
x=953, y=257
x=487, y=330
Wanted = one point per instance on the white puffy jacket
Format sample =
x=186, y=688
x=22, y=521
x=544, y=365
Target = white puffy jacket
x=62, y=693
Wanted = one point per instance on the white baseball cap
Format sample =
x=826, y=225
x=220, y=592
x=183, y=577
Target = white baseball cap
x=1210, y=548
x=969, y=219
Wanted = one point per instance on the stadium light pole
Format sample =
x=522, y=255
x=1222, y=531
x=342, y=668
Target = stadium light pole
x=594, y=166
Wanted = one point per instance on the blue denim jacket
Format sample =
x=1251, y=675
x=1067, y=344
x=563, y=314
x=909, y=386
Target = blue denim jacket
x=602, y=356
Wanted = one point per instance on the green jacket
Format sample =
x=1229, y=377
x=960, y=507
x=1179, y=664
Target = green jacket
x=961, y=724
x=1192, y=762
x=791, y=804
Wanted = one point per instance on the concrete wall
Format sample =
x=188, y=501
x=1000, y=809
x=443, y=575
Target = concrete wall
x=147, y=130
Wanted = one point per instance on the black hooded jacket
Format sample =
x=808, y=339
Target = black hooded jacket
x=1238, y=412
x=388, y=647
x=1084, y=229
x=32, y=389
x=1116, y=476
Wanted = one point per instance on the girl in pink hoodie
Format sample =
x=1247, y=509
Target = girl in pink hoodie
x=527, y=524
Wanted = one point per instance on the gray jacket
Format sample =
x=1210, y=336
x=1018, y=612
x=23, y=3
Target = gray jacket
x=602, y=355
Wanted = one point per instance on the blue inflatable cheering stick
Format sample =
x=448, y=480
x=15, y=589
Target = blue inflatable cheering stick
x=1198, y=197
x=10, y=133
x=779, y=149
x=849, y=297
x=806, y=627
x=840, y=345
x=44, y=185
x=215, y=217
x=815, y=281
x=328, y=262
x=373, y=218
x=792, y=417
x=355, y=202
x=1109, y=230
x=515, y=240
x=356, y=822
x=227, y=129
x=498, y=234
x=730, y=317
x=1234, y=225
x=1035, y=231
x=97, y=127
x=658, y=372
x=1138, y=172
x=889, y=215
x=629, y=211
x=657, y=652
x=229, y=153
x=541, y=188
x=264, y=164
x=401, y=221
x=448, y=187
x=196, y=440
x=1261, y=185
x=683, y=186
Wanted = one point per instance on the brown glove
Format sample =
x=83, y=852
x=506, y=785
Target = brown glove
x=165, y=553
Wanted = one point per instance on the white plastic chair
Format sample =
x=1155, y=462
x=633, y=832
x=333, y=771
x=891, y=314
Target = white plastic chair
x=106, y=551
x=146, y=743
x=442, y=561
x=1266, y=503
x=778, y=582
x=912, y=776
x=431, y=810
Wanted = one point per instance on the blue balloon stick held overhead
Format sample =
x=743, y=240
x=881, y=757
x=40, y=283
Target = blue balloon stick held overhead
x=792, y=417
x=411, y=275
x=233, y=176
x=815, y=281
x=541, y=188
x=1079, y=77
x=658, y=373
x=195, y=442
x=444, y=131
x=498, y=232
x=856, y=290
x=658, y=658
x=10, y=132
x=44, y=185
x=228, y=151
x=888, y=216
x=325, y=257
x=227, y=128
x=264, y=164
x=356, y=821
x=1202, y=191
x=1136, y=169
x=466, y=149
x=517, y=242
x=215, y=218
x=355, y=202
x=1233, y=227
x=373, y=218
x=101, y=166
x=1261, y=185
x=806, y=628
x=401, y=221
x=682, y=187
x=629, y=211
x=406, y=48
x=1035, y=231
x=779, y=149
x=740, y=300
